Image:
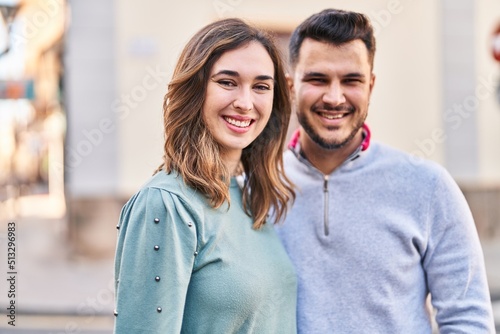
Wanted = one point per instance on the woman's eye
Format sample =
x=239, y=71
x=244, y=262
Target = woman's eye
x=227, y=83
x=262, y=87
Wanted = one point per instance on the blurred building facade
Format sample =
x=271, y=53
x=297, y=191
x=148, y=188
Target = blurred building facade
x=435, y=95
x=32, y=119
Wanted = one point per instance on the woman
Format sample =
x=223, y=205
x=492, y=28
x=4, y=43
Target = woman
x=194, y=252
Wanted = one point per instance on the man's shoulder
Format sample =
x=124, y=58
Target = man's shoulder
x=397, y=159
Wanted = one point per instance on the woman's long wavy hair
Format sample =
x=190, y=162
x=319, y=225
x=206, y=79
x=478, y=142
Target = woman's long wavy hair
x=191, y=150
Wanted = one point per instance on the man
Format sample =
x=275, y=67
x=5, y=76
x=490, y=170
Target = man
x=373, y=231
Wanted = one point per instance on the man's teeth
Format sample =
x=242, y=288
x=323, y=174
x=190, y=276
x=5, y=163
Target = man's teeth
x=330, y=116
x=240, y=124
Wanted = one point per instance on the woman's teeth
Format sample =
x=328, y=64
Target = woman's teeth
x=240, y=124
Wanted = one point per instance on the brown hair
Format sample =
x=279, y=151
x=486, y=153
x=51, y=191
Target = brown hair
x=191, y=150
x=336, y=27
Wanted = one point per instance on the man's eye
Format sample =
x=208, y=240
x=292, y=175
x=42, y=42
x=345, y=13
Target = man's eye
x=316, y=80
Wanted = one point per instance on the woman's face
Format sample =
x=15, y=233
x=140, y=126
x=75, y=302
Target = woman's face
x=239, y=98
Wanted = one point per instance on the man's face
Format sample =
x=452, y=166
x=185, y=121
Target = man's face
x=331, y=87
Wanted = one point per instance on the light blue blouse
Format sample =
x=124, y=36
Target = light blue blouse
x=184, y=267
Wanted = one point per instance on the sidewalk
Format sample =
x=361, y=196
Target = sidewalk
x=56, y=292
x=61, y=293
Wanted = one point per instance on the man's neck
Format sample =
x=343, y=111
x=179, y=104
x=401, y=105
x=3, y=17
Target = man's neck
x=326, y=161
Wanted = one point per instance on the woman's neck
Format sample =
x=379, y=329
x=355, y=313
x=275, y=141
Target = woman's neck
x=232, y=163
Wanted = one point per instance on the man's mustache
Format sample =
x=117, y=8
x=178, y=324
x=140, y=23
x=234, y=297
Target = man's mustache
x=328, y=107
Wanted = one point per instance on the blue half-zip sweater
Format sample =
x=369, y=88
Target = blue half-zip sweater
x=374, y=238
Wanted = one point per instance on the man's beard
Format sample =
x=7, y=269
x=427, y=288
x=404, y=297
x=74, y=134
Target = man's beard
x=328, y=145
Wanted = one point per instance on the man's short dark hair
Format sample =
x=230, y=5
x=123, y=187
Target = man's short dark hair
x=336, y=27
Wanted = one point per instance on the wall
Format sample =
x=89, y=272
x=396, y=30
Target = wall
x=487, y=85
x=406, y=101
x=121, y=56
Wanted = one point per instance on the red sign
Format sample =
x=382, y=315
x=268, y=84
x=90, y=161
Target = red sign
x=496, y=44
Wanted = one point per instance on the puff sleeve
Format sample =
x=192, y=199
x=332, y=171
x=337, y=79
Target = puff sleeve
x=155, y=254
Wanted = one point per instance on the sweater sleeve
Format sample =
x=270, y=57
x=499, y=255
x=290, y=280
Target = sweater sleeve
x=153, y=263
x=454, y=263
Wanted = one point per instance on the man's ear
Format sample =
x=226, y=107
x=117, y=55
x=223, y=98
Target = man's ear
x=289, y=81
x=372, y=82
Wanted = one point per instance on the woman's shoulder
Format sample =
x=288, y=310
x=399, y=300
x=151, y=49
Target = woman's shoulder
x=166, y=181
x=161, y=194
x=168, y=188
x=171, y=183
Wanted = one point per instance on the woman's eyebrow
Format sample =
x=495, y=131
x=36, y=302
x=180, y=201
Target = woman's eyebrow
x=236, y=74
x=227, y=72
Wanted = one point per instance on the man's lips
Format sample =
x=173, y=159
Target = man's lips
x=331, y=116
x=332, y=113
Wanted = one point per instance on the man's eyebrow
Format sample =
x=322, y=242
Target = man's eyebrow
x=322, y=75
x=314, y=74
x=354, y=75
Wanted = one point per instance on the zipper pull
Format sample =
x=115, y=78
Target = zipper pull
x=326, y=205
